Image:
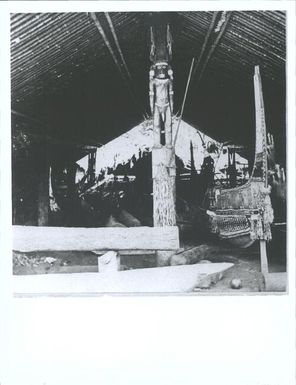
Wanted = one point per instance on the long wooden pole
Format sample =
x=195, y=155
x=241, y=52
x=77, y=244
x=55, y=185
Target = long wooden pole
x=260, y=146
x=184, y=100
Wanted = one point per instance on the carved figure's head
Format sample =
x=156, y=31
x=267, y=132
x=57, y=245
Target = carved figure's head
x=161, y=70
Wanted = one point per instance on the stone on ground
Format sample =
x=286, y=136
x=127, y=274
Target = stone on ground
x=236, y=283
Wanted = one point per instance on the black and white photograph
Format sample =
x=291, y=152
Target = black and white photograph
x=147, y=179
x=149, y=152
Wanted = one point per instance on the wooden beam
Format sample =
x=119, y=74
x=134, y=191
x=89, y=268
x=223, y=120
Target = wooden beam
x=133, y=252
x=33, y=238
x=205, y=43
x=214, y=45
x=263, y=257
x=164, y=186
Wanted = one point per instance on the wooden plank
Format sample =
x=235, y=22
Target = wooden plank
x=263, y=257
x=32, y=238
x=163, y=174
x=42, y=270
x=171, y=279
x=128, y=252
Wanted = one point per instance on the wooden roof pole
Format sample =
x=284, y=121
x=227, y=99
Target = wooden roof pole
x=214, y=45
x=205, y=43
x=125, y=76
x=117, y=43
x=106, y=40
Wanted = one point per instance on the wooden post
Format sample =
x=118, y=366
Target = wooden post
x=164, y=186
x=109, y=262
x=263, y=257
x=162, y=107
x=43, y=198
x=42, y=187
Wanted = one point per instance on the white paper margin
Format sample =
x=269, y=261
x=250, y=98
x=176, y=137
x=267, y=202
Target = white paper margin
x=241, y=340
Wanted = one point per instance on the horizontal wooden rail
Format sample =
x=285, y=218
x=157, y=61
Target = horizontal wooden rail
x=34, y=238
x=133, y=252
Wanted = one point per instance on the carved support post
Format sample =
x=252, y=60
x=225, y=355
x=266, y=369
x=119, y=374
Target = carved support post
x=162, y=104
x=164, y=186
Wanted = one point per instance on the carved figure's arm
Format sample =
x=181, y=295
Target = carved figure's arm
x=151, y=95
x=171, y=96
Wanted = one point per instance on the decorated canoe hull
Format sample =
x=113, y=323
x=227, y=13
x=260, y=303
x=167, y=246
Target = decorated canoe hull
x=243, y=214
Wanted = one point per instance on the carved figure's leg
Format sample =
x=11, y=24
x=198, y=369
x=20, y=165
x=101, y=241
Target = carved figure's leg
x=168, y=127
x=156, y=127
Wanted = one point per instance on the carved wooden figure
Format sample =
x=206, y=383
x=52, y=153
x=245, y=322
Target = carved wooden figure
x=161, y=102
x=161, y=105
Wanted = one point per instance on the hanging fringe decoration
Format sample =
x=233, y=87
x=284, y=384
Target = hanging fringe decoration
x=261, y=222
x=256, y=230
x=267, y=215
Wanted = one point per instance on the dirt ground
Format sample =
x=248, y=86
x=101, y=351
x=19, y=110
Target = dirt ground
x=247, y=268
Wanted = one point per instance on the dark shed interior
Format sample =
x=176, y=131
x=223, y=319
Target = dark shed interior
x=79, y=80
x=67, y=84
x=82, y=79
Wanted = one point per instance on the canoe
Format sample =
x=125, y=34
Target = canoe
x=243, y=214
x=168, y=279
